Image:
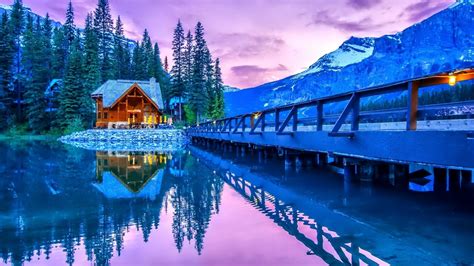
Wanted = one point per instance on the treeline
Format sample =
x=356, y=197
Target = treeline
x=459, y=93
x=33, y=52
x=196, y=81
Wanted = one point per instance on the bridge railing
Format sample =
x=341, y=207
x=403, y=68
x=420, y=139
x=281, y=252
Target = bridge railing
x=285, y=120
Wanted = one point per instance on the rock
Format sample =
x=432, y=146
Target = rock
x=128, y=140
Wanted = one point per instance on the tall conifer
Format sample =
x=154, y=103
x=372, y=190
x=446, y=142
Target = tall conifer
x=178, y=86
x=103, y=25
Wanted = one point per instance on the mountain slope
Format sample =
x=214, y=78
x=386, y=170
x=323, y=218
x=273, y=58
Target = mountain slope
x=440, y=43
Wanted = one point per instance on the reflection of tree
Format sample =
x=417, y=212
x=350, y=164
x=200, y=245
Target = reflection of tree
x=48, y=200
x=194, y=196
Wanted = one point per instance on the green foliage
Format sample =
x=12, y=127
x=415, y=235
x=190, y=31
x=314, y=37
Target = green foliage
x=17, y=130
x=36, y=63
x=70, y=99
x=74, y=125
x=7, y=55
x=69, y=27
x=178, y=86
x=190, y=115
x=90, y=69
x=60, y=53
x=103, y=25
x=461, y=92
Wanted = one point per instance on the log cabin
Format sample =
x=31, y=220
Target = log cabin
x=128, y=104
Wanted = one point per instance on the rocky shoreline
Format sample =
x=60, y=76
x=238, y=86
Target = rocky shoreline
x=128, y=140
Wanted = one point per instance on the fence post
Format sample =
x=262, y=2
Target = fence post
x=412, y=110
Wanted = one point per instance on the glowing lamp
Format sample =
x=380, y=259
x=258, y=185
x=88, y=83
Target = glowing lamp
x=452, y=80
x=256, y=115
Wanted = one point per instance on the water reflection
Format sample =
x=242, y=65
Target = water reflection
x=319, y=239
x=71, y=197
x=61, y=204
x=130, y=174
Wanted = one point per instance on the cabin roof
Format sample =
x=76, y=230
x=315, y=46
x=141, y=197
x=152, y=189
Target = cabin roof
x=50, y=90
x=112, y=90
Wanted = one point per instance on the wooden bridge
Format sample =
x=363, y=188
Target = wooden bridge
x=438, y=135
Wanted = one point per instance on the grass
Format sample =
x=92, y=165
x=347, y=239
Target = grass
x=20, y=132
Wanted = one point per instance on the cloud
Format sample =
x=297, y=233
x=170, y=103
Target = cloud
x=364, y=24
x=252, y=75
x=423, y=9
x=246, y=45
x=363, y=4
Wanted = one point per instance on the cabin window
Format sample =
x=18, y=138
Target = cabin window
x=99, y=115
x=105, y=115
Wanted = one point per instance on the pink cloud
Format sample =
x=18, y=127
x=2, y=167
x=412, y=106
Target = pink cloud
x=261, y=33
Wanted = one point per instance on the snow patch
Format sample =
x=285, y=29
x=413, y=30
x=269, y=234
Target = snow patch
x=276, y=88
x=347, y=54
x=6, y=7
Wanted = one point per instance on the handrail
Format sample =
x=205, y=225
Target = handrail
x=412, y=110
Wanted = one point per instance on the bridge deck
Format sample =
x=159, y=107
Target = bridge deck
x=443, y=137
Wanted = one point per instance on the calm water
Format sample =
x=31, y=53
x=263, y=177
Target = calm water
x=64, y=205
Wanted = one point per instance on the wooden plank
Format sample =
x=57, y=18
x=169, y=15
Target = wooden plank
x=347, y=110
x=291, y=115
x=319, y=120
x=412, y=105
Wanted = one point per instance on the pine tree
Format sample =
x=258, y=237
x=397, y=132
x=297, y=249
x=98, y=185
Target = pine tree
x=147, y=49
x=36, y=63
x=7, y=55
x=178, y=86
x=121, y=63
x=188, y=62
x=198, y=96
x=127, y=65
x=161, y=75
x=60, y=52
x=217, y=106
x=166, y=64
x=70, y=97
x=69, y=26
x=209, y=84
x=16, y=27
x=138, y=63
x=90, y=69
x=103, y=25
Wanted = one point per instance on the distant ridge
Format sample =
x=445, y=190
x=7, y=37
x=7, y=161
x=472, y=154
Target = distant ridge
x=442, y=42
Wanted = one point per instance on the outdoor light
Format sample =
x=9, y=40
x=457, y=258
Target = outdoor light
x=452, y=80
x=256, y=115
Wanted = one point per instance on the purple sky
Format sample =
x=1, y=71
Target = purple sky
x=258, y=40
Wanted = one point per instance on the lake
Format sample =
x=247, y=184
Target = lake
x=65, y=205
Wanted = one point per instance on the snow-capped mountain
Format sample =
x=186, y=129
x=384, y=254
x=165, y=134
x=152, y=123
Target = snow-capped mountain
x=440, y=43
x=7, y=8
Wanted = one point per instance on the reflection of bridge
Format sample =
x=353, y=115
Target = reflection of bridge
x=325, y=126
x=321, y=241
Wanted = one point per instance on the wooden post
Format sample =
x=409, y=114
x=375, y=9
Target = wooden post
x=263, y=122
x=295, y=121
x=277, y=120
x=355, y=113
x=412, y=110
x=319, y=114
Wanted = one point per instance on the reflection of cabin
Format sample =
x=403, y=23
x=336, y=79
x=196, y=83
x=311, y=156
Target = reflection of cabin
x=128, y=104
x=51, y=94
x=126, y=174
